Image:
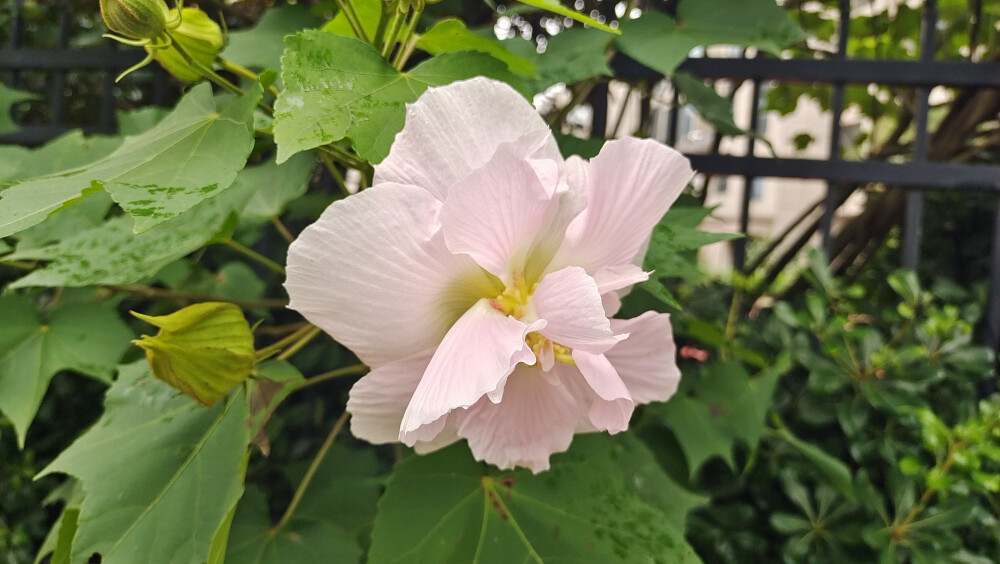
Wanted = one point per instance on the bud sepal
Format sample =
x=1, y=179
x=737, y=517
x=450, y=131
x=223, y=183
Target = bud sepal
x=204, y=350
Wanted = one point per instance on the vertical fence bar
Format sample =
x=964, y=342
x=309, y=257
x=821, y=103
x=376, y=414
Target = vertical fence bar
x=16, y=36
x=672, y=117
x=837, y=110
x=740, y=245
x=599, y=104
x=57, y=98
x=993, y=299
x=915, y=198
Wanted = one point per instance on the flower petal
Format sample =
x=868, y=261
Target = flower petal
x=615, y=282
x=475, y=357
x=452, y=130
x=613, y=278
x=647, y=360
x=632, y=183
x=447, y=435
x=534, y=420
x=497, y=212
x=375, y=273
x=568, y=300
x=613, y=405
x=377, y=401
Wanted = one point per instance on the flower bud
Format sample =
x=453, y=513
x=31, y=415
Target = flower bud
x=137, y=19
x=198, y=35
x=203, y=350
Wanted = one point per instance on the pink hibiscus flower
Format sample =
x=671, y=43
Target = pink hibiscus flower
x=477, y=277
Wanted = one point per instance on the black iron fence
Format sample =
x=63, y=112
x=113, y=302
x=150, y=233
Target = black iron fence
x=914, y=177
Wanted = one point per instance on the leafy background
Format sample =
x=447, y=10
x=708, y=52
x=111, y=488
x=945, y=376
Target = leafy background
x=841, y=422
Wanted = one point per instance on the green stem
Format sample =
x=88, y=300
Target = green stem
x=19, y=264
x=311, y=472
x=339, y=178
x=347, y=6
x=246, y=73
x=178, y=296
x=383, y=20
x=205, y=71
x=282, y=230
x=338, y=373
x=303, y=341
x=390, y=37
x=925, y=498
x=404, y=45
x=252, y=254
x=284, y=342
x=342, y=156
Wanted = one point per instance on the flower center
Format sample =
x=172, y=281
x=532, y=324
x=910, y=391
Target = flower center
x=538, y=343
x=514, y=300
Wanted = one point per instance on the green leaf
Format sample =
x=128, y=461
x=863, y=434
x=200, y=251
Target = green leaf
x=337, y=87
x=759, y=23
x=445, y=507
x=275, y=185
x=555, y=7
x=8, y=97
x=347, y=480
x=85, y=338
x=710, y=105
x=68, y=524
x=204, y=350
x=160, y=472
x=572, y=145
x=653, y=486
x=113, y=254
x=304, y=541
x=140, y=120
x=656, y=41
x=220, y=540
x=369, y=12
x=833, y=471
x=906, y=284
x=67, y=151
x=261, y=46
x=661, y=43
x=717, y=408
x=276, y=379
x=87, y=213
x=571, y=56
x=338, y=503
x=451, y=35
x=192, y=155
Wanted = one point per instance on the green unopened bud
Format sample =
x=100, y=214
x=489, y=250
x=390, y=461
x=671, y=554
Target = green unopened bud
x=198, y=35
x=138, y=19
x=203, y=350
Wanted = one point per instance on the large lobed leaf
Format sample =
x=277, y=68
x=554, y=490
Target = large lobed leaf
x=450, y=35
x=720, y=406
x=112, y=254
x=337, y=87
x=591, y=506
x=661, y=43
x=192, y=155
x=571, y=56
x=337, y=505
x=86, y=338
x=260, y=47
x=160, y=472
